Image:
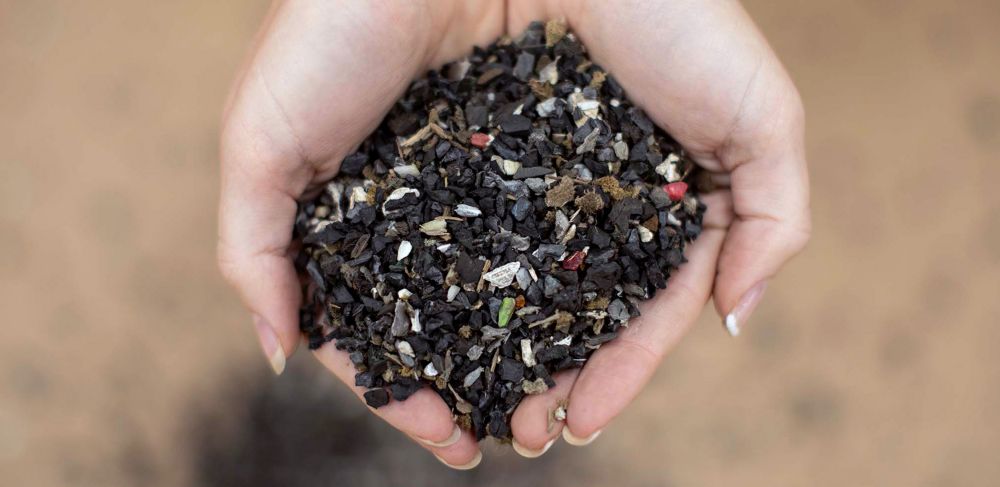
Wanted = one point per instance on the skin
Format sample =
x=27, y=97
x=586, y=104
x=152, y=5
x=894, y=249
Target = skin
x=322, y=74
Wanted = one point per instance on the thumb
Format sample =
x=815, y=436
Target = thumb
x=256, y=214
x=771, y=204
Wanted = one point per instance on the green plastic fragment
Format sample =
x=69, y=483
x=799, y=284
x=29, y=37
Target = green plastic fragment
x=506, y=310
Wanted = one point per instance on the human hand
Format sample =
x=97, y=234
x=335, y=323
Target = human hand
x=702, y=71
x=322, y=76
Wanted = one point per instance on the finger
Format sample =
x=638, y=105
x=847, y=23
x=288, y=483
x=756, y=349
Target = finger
x=298, y=109
x=771, y=203
x=520, y=13
x=424, y=415
x=255, y=214
x=703, y=71
x=534, y=424
x=456, y=455
x=615, y=373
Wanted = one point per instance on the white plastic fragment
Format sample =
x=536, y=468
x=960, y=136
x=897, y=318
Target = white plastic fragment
x=559, y=414
x=668, y=168
x=546, y=108
x=621, y=149
x=415, y=325
x=407, y=170
x=397, y=194
x=405, y=247
x=430, y=370
x=565, y=341
x=527, y=354
x=562, y=224
x=404, y=348
x=590, y=108
x=467, y=211
x=358, y=195
x=503, y=276
x=569, y=235
x=435, y=227
x=550, y=73
x=510, y=167
x=645, y=234
x=472, y=377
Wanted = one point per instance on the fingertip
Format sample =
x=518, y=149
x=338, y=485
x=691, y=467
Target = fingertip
x=613, y=377
x=269, y=287
x=535, y=422
x=423, y=415
x=456, y=434
x=270, y=344
x=574, y=440
x=740, y=314
x=754, y=251
x=531, y=453
x=464, y=454
x=472, y=463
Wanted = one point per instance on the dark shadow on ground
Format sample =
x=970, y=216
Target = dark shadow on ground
x=305, y=429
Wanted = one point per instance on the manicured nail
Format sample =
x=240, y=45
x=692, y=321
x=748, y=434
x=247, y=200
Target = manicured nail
x=528, y=452
x=739, y=315
x=451, y=440
x=576, y=440
x=269, y=342
x=468, y=466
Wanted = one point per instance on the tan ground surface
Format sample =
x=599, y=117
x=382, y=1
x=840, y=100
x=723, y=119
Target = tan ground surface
x=124, y=360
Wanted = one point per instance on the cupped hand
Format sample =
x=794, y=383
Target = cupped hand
x=323, y=74
x=703, y=72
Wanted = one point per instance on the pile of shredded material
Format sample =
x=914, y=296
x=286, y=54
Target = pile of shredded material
x=502, y=223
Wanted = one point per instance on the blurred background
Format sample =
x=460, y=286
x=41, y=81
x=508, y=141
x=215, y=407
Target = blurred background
x=125, y=360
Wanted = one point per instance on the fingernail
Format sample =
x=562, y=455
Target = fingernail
x=269, y=342
x=468, y=466
x=741, y=313
x=451, y=440
x=576, y=440
x=528, y=452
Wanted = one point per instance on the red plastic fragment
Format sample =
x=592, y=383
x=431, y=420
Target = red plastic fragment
x=676, y=190
x=574, y=261
x=480, y=140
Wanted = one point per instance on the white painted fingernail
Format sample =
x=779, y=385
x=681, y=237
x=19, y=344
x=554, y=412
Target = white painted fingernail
x=451, y=440
x=741, y=312
x=468, y=466
x=528, y=452
x=269, y=342
x=732, y=326
x=576, y=440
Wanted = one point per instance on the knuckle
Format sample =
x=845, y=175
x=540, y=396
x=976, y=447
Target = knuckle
x=228, y=264
x=800, y=235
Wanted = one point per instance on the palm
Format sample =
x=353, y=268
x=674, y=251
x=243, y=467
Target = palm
x=324, y=75
x=325, y=79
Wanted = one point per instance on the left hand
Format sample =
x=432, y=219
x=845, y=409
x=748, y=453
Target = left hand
x=703, y=72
